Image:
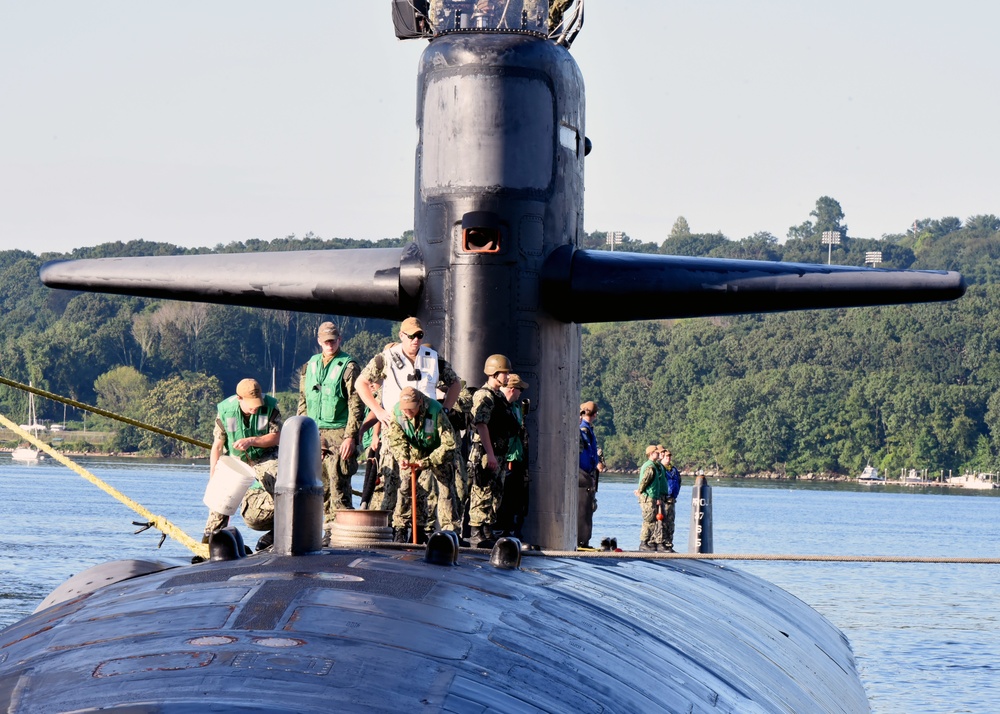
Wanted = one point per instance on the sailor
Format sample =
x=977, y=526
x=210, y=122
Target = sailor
x=590, y=468
x=672, y=478
x=556, y=11
x=461, y=420
x=420, y=437
x=651, y=491
x=501, y=14
x=248, y=427
x=371, y=433
x=399, y=365
x=328, y=397
x=514, y=503
x=493, y=426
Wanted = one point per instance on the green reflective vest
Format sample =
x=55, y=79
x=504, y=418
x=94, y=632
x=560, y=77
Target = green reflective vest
x=515, y=448
x=237, y=427
x=422, y=434
x=326, y=402
x=657, y=484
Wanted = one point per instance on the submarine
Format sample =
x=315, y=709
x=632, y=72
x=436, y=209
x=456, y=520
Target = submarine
x=494, y=267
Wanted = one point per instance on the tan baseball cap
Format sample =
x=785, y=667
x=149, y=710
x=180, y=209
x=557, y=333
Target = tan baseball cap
x=409, y=398
x=249, y=391
x=650, y=450
x=411, y=326
x=514, y=381
x=328, y=331
x=588, y=408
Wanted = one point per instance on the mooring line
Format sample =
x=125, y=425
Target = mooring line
x=643, y=555
x=158, y=522
x=104, y=413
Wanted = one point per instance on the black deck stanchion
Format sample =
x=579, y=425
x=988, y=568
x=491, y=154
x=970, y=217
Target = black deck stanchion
x=298, y=493
x=700, y=537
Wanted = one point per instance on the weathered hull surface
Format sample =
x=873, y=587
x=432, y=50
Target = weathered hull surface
x=382, y=630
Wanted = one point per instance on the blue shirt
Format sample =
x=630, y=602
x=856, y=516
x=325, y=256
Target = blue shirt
x=673, y=481
x=588, y=447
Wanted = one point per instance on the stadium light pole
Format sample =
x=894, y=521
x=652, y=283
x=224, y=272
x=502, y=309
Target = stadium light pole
x=614, y=238
x=830, y=239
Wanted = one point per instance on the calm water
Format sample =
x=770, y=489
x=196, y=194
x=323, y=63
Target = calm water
x=926, y=637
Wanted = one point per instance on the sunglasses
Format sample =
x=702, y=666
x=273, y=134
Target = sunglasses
x=415, y=336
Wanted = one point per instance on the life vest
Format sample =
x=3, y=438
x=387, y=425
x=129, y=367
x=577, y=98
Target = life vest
x=422, y=375
x=259, y=424
x=423, y=437
x=515, y=448
x=502, y=424
x=656, y=485
x=326, y=402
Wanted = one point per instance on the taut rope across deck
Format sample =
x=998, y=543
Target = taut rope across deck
x=158, y=522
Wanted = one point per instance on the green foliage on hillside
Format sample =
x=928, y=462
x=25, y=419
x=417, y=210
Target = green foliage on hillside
x=911, y=386
x=904, y=386
x=162, y=362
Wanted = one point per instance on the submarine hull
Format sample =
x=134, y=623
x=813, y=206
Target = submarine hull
x=382, y=630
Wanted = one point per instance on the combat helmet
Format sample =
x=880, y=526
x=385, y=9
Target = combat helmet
x=496, y=363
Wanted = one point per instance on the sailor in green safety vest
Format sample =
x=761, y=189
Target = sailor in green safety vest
x=327, y=396
x=421, y=436
x=651, y=492
x=514, y=502
x=248, y=427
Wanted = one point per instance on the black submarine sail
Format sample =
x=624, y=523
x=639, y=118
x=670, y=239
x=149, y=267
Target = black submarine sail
x=494, y=268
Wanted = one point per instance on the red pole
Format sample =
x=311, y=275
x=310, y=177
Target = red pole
x=413, y=499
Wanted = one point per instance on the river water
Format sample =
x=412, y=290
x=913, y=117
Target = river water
x=926, y=636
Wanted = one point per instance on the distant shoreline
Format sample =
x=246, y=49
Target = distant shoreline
x=115, y=454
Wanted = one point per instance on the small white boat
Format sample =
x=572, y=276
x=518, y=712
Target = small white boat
x=979, y=482
x=26, y=453
x=870, y=475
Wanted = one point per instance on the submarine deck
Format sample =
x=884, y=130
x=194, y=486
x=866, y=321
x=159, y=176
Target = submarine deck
x=381, y=629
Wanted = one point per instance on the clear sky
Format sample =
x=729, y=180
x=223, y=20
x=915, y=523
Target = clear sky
x=198, y=123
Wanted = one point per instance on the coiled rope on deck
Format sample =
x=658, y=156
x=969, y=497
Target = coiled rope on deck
x=158, y=522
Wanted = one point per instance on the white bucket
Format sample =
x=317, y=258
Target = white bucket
x=228, y=484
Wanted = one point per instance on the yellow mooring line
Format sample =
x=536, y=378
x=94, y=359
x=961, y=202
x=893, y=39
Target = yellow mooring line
x=158, y=522
x=103, y=412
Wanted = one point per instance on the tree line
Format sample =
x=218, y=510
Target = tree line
x=793, y=393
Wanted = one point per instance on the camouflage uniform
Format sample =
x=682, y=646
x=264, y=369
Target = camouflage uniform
x=461, y=421
x=337, y=472
x=490, y=407
x=652, y=489
x=556, y=10
x=257, y=507
x=428, y=441
x=374, y=372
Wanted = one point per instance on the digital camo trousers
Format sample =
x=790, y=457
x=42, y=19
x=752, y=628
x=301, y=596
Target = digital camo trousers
x=337, y=473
